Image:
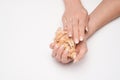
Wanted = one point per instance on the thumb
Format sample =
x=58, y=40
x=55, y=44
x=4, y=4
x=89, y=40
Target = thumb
x=82, y=51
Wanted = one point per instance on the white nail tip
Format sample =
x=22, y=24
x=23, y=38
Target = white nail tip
x=86, y=29
x=75, y=61
x=76, y=41
x=70, y=35
x=81, y=38
x=74, y=56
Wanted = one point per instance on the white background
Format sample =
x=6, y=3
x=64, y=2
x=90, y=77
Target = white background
x=28, y=26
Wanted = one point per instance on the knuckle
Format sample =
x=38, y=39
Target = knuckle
x=76, y=16
x=75, y=22
x=85, y=12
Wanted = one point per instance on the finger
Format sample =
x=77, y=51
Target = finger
x=59, y=53
x=64, y=55
x=83, y=50
x=68, y=61
x=55, y=50
x=81, y=32
x=52, y=45
x=70, y=28
x=81, y=29
x=65, y=58
x=87, y=20
x=75, y=31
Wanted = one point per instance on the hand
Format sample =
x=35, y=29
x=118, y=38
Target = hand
x=81, y=49
x=61, y=55
x=75, y=20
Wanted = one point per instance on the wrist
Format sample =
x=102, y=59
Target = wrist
x=92, y=29
x=72, y=3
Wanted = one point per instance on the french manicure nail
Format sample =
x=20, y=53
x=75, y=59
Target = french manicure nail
x=70, y=35
x=75, y=61
x=76, y=41
x=81, y=38
x=86, y=29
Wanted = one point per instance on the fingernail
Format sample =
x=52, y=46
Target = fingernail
x=86, y=29
x=70, y=35
x=75, y=61
x=81, y=38
x=76, y=41
x=74, y=56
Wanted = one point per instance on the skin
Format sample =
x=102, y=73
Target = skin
x=75, y=19
x=104, y=13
